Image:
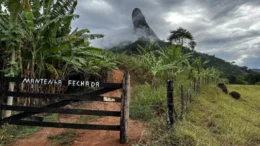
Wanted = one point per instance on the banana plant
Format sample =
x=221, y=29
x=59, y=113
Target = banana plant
x=43, y=32
x=167, y=61
x=173, y=56
x=199, y=65
x=11, y=35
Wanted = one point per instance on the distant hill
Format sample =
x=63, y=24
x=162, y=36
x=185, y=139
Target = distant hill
x=256, y=70
x=226, y=67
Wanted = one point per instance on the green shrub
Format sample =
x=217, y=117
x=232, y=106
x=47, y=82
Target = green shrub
x=242, y=82
x=147, y=102
x=258, y=83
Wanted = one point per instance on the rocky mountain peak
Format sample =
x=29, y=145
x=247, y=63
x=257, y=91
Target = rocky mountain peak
x=141, y=27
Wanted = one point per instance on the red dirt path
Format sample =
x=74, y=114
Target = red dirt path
x=91, y=137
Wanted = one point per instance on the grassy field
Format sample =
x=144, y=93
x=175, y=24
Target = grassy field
x=213, y=118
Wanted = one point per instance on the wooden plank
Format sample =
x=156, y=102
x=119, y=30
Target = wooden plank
x=1, y=113
x=63, y=111
x=111, y=85
x=65, y=125
x=57, y=104
x=125, y=109
x=1, y=96
x=63, y=96
x=64, y=82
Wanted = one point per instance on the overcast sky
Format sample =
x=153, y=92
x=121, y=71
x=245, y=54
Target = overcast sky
x=228, y=29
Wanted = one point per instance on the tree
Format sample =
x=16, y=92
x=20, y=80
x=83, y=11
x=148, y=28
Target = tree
x=39, y=31
x=180, y=35
x=11, y=36
x=173, y=56
x=198, y=65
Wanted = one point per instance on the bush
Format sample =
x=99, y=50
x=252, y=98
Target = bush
x=135, y=67
x=147, y=102
x=258, y=83
x=242, y=82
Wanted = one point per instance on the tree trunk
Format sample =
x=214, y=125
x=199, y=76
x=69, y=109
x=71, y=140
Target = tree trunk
x=8, y=113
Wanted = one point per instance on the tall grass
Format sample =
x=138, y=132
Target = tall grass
x=213, y=118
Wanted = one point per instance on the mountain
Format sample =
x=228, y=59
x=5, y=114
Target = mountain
x=256, y=70
x=145, y=34
x=141, y=27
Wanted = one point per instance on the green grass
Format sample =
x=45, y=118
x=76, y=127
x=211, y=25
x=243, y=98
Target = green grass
x=65, y=138
x=87, y=118
x=148, y=102
x=213, y=118
x=10, y=133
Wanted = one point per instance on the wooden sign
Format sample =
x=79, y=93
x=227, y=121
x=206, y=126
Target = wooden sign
x=109, y=99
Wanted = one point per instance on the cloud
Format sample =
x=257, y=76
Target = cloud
x=115, y=38
x=228, y=29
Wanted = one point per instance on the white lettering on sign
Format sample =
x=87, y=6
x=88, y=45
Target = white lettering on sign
x=45, y=81
x=59, y=82
x=83, y=83
x=26, y=80
x=37, y=81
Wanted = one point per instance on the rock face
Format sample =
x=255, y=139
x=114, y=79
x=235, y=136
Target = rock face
x=235, y=94
x=223, y=87
x=141, y=27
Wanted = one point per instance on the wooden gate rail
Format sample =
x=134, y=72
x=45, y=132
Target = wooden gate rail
x=65, y=125
x=64, y=96
x=63, y=111
x=57, y=104
x=67, y=99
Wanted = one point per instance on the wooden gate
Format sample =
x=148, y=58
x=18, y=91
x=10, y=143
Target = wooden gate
x=66, y=99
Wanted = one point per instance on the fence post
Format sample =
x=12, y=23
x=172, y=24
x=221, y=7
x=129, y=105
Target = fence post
x=187, y=99
x=1, y=96
x=125, y=97
x=190, y=91
x=198, y=88
x=182, y=102
x=194, y=84
x=170, y=105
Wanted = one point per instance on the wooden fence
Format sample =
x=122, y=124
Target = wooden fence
x=193, y=90
x=27, y=111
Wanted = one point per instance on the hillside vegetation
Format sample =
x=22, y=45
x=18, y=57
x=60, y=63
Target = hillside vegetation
x=213, y=118
x=226, y=67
